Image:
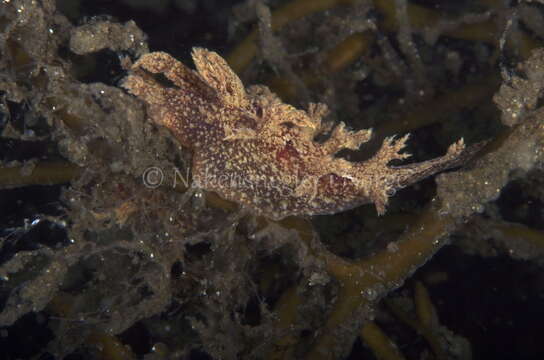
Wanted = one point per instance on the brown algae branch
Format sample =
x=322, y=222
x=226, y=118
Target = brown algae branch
x=245, y=51
x=426, y=322
x=380, y=344
x=419, y=17
x=362, y=283
x=461, y=193
x=45, y=173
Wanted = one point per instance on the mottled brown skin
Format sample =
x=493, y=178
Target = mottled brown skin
x=251, y=148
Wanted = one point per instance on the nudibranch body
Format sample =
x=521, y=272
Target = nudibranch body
x=252, y=149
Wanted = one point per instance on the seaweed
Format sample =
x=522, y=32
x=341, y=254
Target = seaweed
x=107, y=252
